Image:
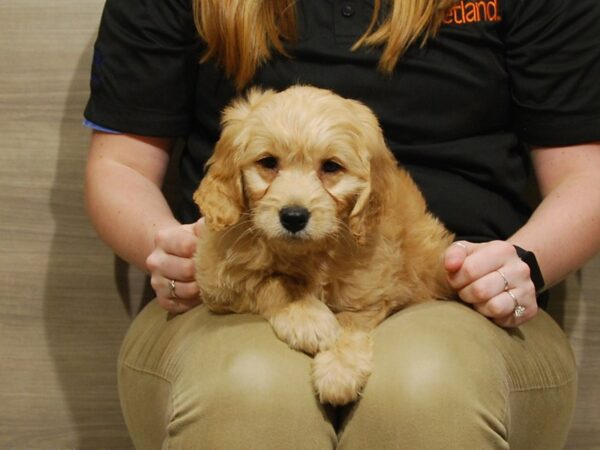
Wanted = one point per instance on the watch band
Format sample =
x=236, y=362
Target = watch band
x=536, y=274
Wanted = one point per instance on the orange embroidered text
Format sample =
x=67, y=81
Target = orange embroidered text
x=473, y=11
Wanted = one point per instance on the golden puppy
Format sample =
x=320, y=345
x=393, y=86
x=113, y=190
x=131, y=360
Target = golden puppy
x=311, y=224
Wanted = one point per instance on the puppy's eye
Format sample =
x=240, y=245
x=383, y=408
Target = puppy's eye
x=268, y=162
x=330, y=166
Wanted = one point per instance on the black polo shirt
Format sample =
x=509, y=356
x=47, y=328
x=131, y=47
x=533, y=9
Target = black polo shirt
x=457, y=113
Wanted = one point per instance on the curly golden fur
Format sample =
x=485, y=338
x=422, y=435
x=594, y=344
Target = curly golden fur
x=312, y=224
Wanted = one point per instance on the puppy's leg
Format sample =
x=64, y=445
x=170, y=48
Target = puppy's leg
x=307, y=325
x=341, y=372
x=299, y=319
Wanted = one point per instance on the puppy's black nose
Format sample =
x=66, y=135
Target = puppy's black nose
x=294, y=218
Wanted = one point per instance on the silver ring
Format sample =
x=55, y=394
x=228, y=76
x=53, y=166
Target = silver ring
x=519, y=310
x=505, y=280
x=172, y=293
x=460, y=244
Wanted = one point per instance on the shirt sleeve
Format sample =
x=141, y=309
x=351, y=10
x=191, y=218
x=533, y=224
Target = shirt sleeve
x=144, y=68
x=553, y=61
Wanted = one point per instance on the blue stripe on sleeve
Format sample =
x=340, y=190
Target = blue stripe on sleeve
x=94, y=126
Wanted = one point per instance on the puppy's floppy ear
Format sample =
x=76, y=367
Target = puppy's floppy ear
x=382, y=172
x=220, y=195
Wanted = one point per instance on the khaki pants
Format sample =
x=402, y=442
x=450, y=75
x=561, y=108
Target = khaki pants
x=444, y=378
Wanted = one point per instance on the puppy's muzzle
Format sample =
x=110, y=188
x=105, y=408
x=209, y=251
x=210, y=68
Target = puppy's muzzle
x=294, y=218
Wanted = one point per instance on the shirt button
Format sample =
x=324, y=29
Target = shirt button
x=347, y=10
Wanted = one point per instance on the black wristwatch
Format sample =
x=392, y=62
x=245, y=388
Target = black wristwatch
x=536, y=274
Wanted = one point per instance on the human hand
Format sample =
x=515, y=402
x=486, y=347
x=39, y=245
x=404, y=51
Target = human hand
x=172, y=268
x=493, y=279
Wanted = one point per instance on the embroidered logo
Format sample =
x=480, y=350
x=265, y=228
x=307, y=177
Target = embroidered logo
x=473, y=11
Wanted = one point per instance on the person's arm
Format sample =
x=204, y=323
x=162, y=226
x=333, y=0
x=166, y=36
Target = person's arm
x=563, y=233
x=124, y=175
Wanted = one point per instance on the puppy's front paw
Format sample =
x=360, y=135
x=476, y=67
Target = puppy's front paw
x=341, y=373
x=307, y=325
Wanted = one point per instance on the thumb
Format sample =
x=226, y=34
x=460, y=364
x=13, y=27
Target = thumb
x=198, y=226
x=188, y=227
x=455, y=256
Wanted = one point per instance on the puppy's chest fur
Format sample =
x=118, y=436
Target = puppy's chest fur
x=234, y=267
x=231, y=270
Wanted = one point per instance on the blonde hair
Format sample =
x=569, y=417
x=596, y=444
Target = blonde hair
x=241, y=34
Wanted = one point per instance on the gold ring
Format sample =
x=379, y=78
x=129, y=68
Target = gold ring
x=172, y=293
x=519, y=310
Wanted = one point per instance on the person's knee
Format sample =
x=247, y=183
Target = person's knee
x=432, y=386
x=256, y=377
x=226, y=382
x=256, y=398
x=441, y=373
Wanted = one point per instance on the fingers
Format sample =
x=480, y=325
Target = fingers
x=501, y=307
x=172, y=268
x=481, y=260
x=493, y=279
x=177, y=305
x=180, y=240
x=181, y=291
x=455, y=255
x=511, y=275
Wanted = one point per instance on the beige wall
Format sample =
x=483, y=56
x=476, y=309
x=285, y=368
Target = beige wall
x=61, y=315
x=64, y=299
